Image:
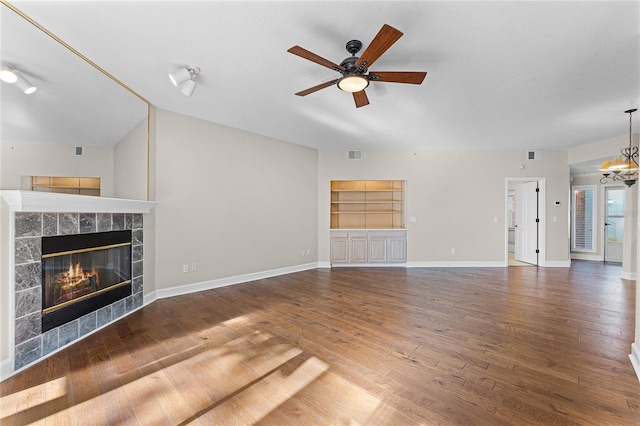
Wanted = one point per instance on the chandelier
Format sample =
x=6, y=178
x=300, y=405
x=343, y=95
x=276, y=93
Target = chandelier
x=623, y=168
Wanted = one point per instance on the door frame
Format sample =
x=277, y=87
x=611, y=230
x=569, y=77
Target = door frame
x=542, y=214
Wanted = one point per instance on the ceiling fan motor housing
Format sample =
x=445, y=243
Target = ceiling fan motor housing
x=349, y=64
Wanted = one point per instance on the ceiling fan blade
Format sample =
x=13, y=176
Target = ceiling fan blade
x=380, y=43
x=304, y=53
x=316, y=88
x=360, y=98
x=398, y=76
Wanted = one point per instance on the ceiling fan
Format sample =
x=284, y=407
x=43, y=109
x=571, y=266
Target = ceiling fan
x=355, y=70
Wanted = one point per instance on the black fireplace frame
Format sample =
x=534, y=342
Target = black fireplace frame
x=56, y=244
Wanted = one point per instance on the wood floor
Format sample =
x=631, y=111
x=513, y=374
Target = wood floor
x=468, y=346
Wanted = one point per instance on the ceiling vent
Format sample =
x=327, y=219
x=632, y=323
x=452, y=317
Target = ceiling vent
x=74, y=151
x=534, y=155
x=355, y=155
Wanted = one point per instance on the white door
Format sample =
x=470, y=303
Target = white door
x=526, y=226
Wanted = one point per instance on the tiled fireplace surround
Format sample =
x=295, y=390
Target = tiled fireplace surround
x=26, y=218
x=30, y=343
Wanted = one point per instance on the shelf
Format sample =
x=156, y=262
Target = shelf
x=366, y=190
x=366, y=204
x=370, y=212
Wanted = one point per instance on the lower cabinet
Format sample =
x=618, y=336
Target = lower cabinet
x=368, y=246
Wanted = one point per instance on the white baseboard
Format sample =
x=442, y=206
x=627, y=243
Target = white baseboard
x=367, y=265
x=453, y=264
x=223, y=282
x=148, y=298
x=557, y=264
x=6, y=369
x=628, y=275
x=586, y=256
x=635, y=358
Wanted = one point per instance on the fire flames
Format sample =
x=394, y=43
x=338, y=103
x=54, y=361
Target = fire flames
x=74, y=282
x=75, y=274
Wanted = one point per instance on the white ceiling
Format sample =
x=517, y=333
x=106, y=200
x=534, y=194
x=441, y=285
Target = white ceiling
x=501, y=75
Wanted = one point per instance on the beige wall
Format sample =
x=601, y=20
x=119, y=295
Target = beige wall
x=22, y=160
x=232, y=201
x=130, y=164
x=597, y=150
x=454, y=196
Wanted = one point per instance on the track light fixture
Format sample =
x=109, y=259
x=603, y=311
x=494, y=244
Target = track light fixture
x=25, y=85
x=8, y=74
x=186, y=76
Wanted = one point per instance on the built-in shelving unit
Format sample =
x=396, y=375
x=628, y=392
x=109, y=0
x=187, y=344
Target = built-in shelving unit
x=367, y=204
x=66, y=185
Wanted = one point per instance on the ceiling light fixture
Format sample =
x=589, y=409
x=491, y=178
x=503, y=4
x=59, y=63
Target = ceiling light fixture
x=188, y=76
x=25, y=85
x=623, y=168
x=353, y=83
x=8, y=74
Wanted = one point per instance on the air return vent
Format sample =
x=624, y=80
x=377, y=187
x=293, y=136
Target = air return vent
x=534, y=155
x=355, y=155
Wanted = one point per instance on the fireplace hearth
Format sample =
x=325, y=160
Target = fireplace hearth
x=83, y=273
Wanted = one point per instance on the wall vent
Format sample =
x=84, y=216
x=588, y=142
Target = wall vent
x=534, y=155
x=355, y=155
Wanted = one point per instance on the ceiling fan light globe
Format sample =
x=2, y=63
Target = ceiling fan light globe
x=353, y=83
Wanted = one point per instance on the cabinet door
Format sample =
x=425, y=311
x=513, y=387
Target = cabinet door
x=378, y=250
x=397, y=250
x=339, y=250
x=358, y=252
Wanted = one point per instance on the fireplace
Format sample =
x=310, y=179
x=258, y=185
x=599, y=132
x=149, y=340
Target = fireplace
x=82, y=273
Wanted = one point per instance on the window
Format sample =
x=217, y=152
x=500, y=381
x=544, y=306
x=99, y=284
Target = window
x=584, y=219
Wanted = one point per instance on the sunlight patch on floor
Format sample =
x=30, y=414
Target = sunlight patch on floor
x=269, y=393
x=24, y=400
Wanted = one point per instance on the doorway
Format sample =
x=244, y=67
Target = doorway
x=524, y=222
x=614, y=223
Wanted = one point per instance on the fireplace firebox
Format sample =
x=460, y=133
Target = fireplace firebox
x=82, y=273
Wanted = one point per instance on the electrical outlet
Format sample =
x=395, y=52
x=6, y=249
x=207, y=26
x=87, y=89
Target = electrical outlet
x=308, y=252
x=194, y=266
x=453, y=251
x=185, y=268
